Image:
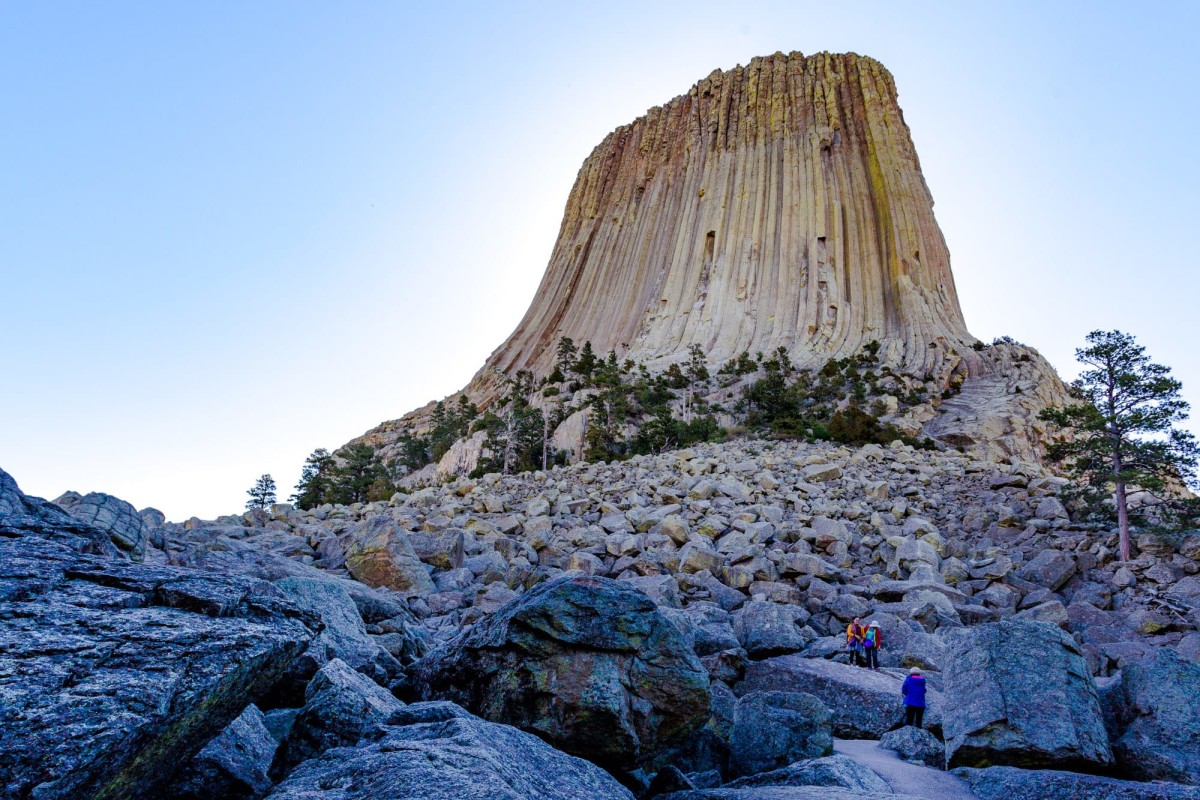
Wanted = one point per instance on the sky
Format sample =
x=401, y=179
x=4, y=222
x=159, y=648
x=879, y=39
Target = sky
x=231, y=233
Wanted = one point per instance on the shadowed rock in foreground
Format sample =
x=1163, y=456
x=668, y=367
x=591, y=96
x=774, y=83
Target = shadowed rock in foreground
x=112, y=674
x=1020, y=694
x=587, y=663
x=1011, y=783
x=1155, y=719
x=437, y=751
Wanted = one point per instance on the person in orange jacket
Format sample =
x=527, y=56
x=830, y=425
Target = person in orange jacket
x=855, y=632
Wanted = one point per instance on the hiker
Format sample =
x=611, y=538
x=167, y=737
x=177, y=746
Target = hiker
x=913, y=691
x=872, y=641
x=854, y=641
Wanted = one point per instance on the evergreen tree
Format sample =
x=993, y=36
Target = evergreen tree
x=697, y=371
x=608, y=372
x=358, y=471
x=1122, y=432
x=316, y=480
x=516, y=435
x=465, y=415
x=414, y=450
x=601, y=440
x=587, y=362
x=262, y=494
x=674, y=377
x=567, y=351
x=443, y=433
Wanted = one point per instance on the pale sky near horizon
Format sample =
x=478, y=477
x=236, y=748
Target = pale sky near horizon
x=235, y=232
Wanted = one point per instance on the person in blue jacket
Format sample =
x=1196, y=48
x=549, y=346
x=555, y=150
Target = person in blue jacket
x=913, y=690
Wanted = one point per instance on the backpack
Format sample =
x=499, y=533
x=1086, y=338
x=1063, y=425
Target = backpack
x=870, y=638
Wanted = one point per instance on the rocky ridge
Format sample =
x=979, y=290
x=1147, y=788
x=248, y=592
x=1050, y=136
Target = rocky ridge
x=831, y=532
x=739, y=563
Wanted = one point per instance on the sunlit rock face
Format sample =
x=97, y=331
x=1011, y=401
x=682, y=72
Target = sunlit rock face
x=776, y=204
x=779, y=204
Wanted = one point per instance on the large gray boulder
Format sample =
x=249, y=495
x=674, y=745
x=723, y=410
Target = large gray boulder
x=708, y=748
x=774, y=729
x=706, y=627
x=767, y=629
x=233, y=766
x=836, y=771
x=380, y=554
x=211, y=549
x=1019, y=693
x=1154, y=719
x=1049, y=568
x=779, y=793
x=441, y=549
x=915, y=744
x=120, y=520
x=1011, y=783
x=435, y=751
x=24, y=516
x=864, y=704
x=344, y=636
x=587, y=663
x=112, y=674
x=340, y=705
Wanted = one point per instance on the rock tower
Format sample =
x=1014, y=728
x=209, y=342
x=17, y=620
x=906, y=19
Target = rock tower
x=776, y=204
x=779, y=204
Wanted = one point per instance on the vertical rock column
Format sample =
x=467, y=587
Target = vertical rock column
x=776, y=204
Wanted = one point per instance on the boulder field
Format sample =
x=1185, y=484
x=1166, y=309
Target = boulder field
x=669, y=626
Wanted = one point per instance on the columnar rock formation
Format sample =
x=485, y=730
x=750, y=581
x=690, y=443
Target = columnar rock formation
x=779, y=204
x=776, y=204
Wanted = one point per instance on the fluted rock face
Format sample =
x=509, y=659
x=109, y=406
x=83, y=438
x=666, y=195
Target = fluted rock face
x=776, y=204
x=780, y=204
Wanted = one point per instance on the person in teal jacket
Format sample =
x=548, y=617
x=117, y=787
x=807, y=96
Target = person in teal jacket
x=872, y=641
x=913, y=691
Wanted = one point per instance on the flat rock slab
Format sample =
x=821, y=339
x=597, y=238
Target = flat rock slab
x=864, y=704
x=1012, y=783
x=783, y=793
x=444, y=753
x=904, y=777
x=113, y=675
x=838, y=771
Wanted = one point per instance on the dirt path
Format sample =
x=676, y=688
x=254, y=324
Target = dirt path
x=903, y=777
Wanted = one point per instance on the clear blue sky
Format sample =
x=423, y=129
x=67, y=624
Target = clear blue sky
x=231, y=233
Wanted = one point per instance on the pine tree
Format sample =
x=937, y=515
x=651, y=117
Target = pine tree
x=464, y=416
x=262, y=494
x=1123, y=432
x=353, y=478
x=442, y=435
x=316, y=480
x=587, y=362
x=697, y=371
x=567, y=351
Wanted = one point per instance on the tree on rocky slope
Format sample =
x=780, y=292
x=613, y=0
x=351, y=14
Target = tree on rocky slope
x=262, y=494
x=1122, y=432
x=516, y=431
x=360, y=477
x=316, y=480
